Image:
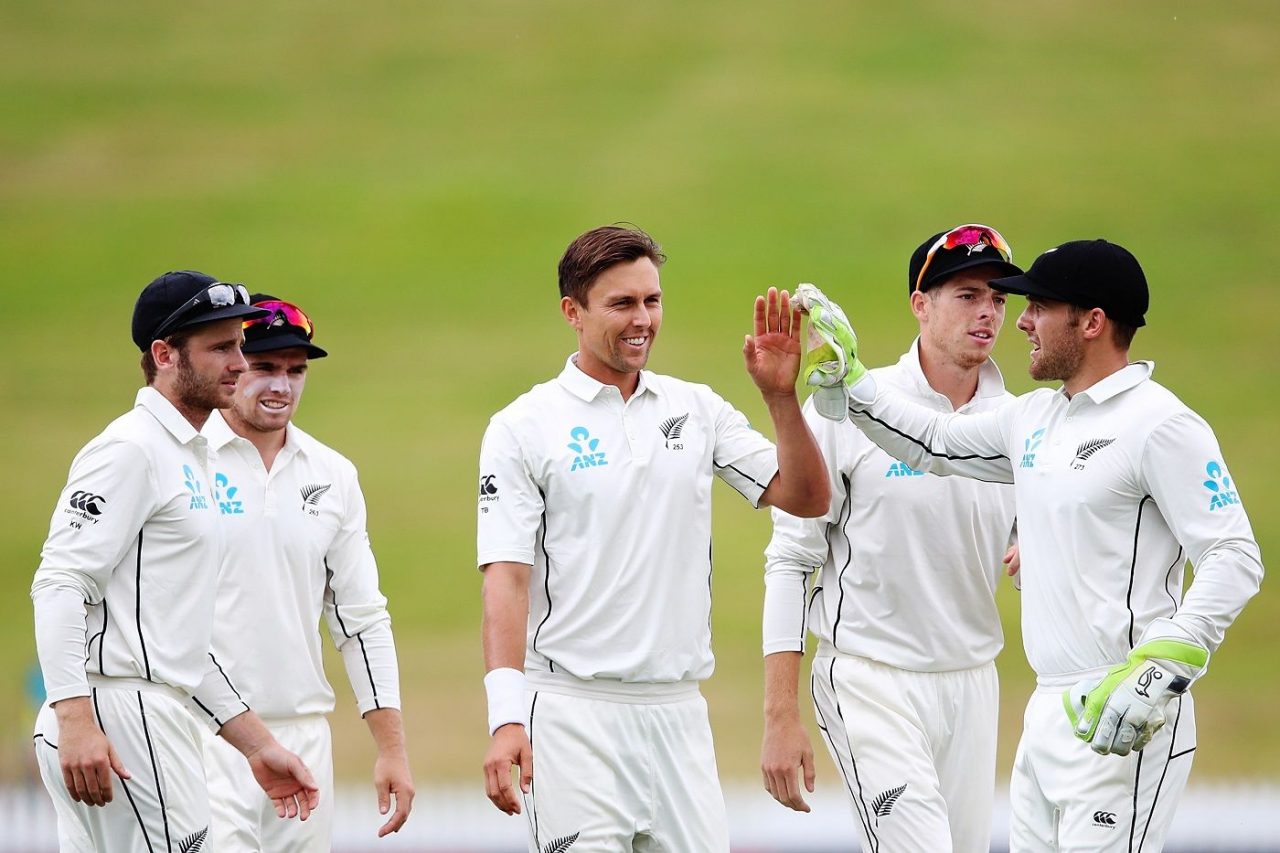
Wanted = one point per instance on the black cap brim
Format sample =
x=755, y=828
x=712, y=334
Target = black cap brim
x=278, y=340
x=1024, y=285
x=969, y=263
x=226, y=312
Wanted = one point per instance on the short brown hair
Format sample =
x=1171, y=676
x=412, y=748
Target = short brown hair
x=1121, y=333
x=598, y=250
x=178, y=340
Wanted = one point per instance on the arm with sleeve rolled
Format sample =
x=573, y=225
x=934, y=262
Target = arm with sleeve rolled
x=507, y=522
x=75, y=569
x=356, y=613
x=1122, y=711
x=798, y=547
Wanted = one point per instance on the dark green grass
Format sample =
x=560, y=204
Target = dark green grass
x=411, y=172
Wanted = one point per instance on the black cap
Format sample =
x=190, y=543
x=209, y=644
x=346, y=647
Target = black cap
x=1090, y=274
x=170, y=303
x=948, y=262
x=274, y=331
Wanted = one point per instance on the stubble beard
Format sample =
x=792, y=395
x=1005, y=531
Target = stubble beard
x=195, y=391
x=1061, y=363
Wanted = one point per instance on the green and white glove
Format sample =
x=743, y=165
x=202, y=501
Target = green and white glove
x=831, y=362
x=1123, y=710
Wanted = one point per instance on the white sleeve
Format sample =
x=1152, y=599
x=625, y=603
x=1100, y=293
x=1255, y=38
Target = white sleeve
x=215, y=701
x=967, y=445
x=743, y=458
x=799, y=547
x=356, y=610
x=1183, y=470
x=108, y=497
x=510, y=507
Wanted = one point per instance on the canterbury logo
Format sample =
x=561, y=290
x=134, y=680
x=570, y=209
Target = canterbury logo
x=1087, y=449
x=560, y=845
x=311, y=494
x=194, y=842
x=1104, y=818
x=883, y=804
x=672, y=427
x=87, y=502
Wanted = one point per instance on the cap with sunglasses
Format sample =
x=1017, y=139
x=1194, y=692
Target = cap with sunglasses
x=948, y=252
x=1090, y=274
x=185, y=298
x=283, y=325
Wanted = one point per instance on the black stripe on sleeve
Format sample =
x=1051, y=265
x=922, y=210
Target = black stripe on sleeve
x=226, y=679
x=205, y=708
x=1133, y=567
x=137, y=591
x=922, y=445
x=337, y=611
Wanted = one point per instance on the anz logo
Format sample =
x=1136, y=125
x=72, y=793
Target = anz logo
x=1029, y=447
x=902, y=469
x=198, y=500
x=585, y=448
x=224, y=494
x=1219, y=486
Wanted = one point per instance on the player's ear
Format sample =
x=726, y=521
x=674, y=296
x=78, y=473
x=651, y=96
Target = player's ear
x=163, y=354
x=919, y=303
x=572, y=312
x=1094, y=324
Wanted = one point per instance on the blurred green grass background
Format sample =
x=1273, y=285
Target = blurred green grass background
x=410, y=173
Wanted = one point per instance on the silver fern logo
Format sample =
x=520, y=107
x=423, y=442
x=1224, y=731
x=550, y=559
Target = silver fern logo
x=884, y=803
x=671, y=429
x=311, y=496
x=194, y=842
x=1087, y=449
x=559, y=845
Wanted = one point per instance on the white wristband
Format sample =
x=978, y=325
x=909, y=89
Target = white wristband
x=505, y=688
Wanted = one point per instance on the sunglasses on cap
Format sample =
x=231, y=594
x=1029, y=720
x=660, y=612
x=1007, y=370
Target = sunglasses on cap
x=967, y=236
x=282, y=314
x=218, y=295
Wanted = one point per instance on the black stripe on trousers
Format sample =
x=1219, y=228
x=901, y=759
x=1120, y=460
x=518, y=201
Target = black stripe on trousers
x=97, y=712
x=1173, y=737
x=155, y=772
x=859, y=803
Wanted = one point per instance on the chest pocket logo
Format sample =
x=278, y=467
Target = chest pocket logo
x=1029, y=448
x=671, y=430
x=198, y=500
x=582, y=444
x=311, y=496
x=1087, y=449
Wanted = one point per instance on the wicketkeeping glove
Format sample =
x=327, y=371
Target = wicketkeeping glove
x=831, y=362
x=1121, y=712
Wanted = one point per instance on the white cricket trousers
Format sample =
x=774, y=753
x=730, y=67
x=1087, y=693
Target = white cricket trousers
x=164, y=808
x=916, y=751
x=243, y=819
x=612, y=776
x=1065, y=797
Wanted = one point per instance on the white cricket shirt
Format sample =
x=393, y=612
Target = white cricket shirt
x=610, y=503
x=297, y=547
x=908, y=561
x=135, y=538
x=1116, y=487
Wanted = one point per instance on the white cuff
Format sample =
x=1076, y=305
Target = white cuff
x=864, y=390
x=505, y=688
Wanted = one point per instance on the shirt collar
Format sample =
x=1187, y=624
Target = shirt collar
x=585, y=388
x=990, y=379
x=1129, y=376
x=220, y=434
x=166, y=413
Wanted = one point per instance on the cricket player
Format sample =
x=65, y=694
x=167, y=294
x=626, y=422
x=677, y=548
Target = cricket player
x=595, y=542
x=297, y=546
x=1118, y=484
x=904, y=680
x=124, y=599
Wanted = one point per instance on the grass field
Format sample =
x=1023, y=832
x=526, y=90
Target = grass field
x=411, y=172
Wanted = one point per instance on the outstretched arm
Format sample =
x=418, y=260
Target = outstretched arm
x=772, y=357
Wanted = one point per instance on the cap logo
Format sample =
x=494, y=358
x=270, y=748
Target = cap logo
x=976, y=247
